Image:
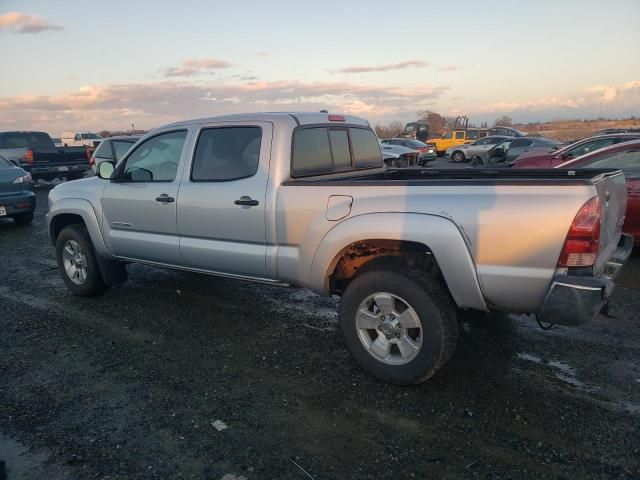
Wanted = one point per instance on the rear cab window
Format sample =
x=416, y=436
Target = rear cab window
x=39, y=141
x=319, y=150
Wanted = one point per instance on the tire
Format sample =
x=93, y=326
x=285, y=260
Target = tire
x=76, y=238
x=23, y=218
x=458, y=156
x=431, y=309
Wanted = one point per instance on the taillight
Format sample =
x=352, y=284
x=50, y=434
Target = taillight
x=337, y=118
x=28, y=156
x=87, y=153
x=633, y=187
x=582, y=244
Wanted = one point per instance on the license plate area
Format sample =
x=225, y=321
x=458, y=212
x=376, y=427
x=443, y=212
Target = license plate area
x=3, y=211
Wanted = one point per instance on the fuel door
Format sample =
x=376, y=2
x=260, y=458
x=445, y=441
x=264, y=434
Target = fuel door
x=338, y=207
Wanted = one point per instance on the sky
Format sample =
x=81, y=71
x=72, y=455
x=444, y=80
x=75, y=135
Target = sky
x=79, y=65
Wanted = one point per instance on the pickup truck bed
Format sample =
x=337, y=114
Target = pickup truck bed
x=301, y=199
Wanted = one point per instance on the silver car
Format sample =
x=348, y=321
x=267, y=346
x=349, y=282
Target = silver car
x=479, y=149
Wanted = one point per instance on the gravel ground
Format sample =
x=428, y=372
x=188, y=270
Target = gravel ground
x=131, y=385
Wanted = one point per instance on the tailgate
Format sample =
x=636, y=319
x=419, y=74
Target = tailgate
x=63, y=157
x=612, y=191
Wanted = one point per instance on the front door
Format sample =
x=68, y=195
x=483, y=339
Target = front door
x=139, y=203
x=222, y=199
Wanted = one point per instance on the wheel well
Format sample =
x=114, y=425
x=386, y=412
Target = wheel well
x=364, y=255
x=61, y=221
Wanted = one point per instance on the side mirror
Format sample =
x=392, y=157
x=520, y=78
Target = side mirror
x=106, y=169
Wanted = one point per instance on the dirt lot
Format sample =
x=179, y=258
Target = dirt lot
x=129, y=385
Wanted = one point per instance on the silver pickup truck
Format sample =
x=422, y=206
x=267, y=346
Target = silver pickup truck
x=302, y=199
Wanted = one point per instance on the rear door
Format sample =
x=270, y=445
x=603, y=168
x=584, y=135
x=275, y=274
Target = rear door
x=221, y=204
x=139, y=203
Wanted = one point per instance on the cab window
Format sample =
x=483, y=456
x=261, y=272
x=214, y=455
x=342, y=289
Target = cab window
x=156, y=159
x=459, y=135
x=226, y=153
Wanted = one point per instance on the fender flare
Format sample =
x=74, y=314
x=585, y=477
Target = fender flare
x=84, y=209
x=441, y=235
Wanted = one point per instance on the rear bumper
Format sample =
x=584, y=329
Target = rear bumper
x=20, y=202
x=574, y=300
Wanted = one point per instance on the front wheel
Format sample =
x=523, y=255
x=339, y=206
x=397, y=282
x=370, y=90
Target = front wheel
x=77, y=262
x=399, y=325
x=458, y=156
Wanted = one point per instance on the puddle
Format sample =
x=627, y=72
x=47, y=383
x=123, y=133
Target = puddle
x=561, y=370
x=21, y=463
x=320, y=313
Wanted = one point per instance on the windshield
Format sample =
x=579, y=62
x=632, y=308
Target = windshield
x=446, y=135
x=4, y=163
x=90, y=136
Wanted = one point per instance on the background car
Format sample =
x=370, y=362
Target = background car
x=112, y=149
x=525, y=144
x=79, y=139
x=626, y=157
x=397, y=156
x=506, y=132
x=17, y=200
x=426, y=153
x=479, y=148
x=551, y=157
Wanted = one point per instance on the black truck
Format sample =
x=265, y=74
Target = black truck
x=36, y=153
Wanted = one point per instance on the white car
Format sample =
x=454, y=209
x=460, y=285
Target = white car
x=80, y=139
x=478, y=149
x=397, y=156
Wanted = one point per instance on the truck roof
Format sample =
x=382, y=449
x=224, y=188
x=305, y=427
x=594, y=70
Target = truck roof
x=301, y=118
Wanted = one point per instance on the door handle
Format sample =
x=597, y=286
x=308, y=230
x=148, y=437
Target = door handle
x=164, y=198
x=247, y=201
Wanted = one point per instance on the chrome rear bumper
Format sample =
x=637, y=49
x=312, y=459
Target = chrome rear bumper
x=574, y=300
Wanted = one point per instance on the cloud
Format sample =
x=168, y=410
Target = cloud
x=261, y=54
x=384, y=68
x=192, y=66
x=153, y=104
x=16, y=22
x=449, y=68
x=615, y=100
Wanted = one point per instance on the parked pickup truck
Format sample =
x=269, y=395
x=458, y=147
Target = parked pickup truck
x=36, y=153
x=303, y=199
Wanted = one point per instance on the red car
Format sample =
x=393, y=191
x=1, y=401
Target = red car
x=548, y=158
x=626, y=157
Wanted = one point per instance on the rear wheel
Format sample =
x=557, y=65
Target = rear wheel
x=77, y=262
x=23, y=218
x=399, y=325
